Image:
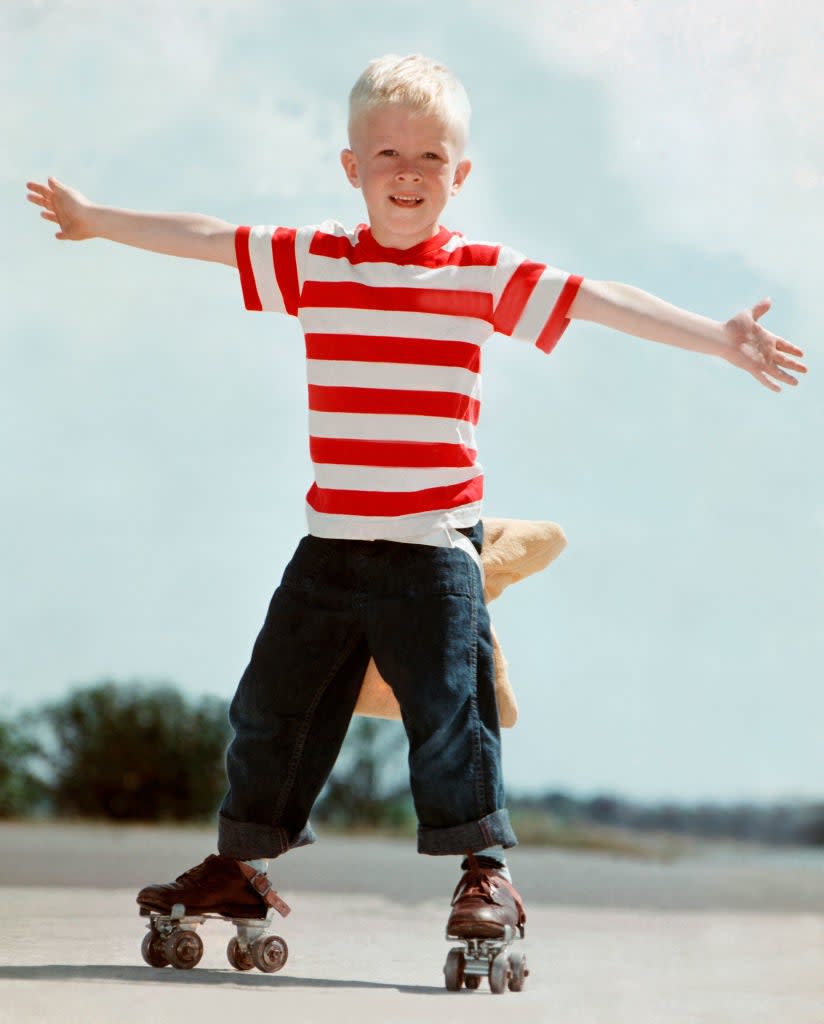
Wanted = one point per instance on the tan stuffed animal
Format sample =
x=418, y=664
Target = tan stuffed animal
x=512, y=550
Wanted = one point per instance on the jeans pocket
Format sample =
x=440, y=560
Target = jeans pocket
x=307, y=565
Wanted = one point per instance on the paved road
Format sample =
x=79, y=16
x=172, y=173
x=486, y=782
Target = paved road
x=720, y=938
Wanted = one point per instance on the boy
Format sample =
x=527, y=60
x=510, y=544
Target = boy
x=394, y=314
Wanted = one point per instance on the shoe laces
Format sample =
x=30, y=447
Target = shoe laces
x=477, y=882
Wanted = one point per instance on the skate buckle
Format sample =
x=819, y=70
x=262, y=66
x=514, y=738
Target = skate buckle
x=263, y=887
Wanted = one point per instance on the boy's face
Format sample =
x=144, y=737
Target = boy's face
x=407, y=164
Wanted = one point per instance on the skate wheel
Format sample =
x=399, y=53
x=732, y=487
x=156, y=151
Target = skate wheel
x=152, y=950
x=183, y=949
x=472, y=981
x=239, y=958
x=498, y=970
x=270, y=954
x=453, y=970
x=517, y=971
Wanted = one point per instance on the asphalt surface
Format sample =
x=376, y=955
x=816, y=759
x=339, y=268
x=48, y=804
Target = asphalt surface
x=726, y=935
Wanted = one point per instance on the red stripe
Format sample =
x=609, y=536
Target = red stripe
x=399, y=454
x=558, y=320
x=516, y=295
x=286, y=268
x=373, y=349
x=392, y=402
x=340, y=247
x=251, y=299
x=394, y=503
x=343, y=294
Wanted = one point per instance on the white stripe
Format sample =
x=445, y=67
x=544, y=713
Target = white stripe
x=303, y=239
x=327, y=269
x=397, y=376
x=458, y=242
x=394, y=324
x=399, y=528
x=334, y=227
x=540, y=305
x=263, y=268
x=382, y=478
x=373, y=427
x=503, y=273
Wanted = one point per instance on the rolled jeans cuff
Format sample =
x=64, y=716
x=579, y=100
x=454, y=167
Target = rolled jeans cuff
x=493, y=830
x=246, y=840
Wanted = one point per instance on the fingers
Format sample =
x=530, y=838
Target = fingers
x=762, y=378
x=785, y=346
x=774, y=352
x=776, y=370
x=43, y=191
x=44, y=195
x=39, y=198
x=792, y=365
x=781, y=347
x=780, y=374
x=760, y=308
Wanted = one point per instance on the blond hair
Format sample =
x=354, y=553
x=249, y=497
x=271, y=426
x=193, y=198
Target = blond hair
x=415, y=81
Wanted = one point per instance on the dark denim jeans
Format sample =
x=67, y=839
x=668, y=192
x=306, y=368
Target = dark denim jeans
x=420, y=612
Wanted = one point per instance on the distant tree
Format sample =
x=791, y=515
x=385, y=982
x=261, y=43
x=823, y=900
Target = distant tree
x=603, y=809
x=133, y=752
x=364, y=788
x=812, y=828
x=21, y=792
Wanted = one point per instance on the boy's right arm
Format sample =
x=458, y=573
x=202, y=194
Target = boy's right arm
x=189, y=235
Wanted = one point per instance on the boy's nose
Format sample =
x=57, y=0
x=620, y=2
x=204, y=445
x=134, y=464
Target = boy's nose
x=408, y=174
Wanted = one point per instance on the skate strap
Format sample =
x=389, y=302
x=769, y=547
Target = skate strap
x=263, y=887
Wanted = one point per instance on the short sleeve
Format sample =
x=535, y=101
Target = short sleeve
x=532, y=299
x=268, y=266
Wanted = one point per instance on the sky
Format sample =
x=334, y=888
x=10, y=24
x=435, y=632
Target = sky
x=153, y=435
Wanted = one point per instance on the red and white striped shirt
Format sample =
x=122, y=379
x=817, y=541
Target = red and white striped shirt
x=393, y=348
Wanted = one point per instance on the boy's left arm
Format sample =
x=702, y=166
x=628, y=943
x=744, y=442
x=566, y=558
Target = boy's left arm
x=742, y=341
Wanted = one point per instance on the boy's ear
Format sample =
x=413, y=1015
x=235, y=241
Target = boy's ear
x=461, y=174
x=349, y=162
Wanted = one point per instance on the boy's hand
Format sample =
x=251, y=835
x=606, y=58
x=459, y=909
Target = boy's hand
x=189, y=235
x=758, y=352
x=742, y=341
x=64, y=206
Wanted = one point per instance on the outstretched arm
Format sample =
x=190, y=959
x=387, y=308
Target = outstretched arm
x=742, y=341
x=191, y=235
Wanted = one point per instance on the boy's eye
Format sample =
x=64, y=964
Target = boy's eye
x=388, y=152
x=431, y=156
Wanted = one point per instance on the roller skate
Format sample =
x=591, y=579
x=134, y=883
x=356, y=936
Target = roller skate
x=487, y=917
x=223, y=888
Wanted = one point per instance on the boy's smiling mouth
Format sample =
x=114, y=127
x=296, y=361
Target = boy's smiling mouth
x=406, y=200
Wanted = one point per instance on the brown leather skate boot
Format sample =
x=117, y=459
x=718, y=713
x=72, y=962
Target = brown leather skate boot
x=484, y=902
x=220, y=885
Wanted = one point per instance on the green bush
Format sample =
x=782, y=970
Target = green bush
x=131, y=752
x=21, y=792
x=364, y=790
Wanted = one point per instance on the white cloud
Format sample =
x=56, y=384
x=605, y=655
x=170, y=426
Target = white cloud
x=146, y=85
x=717, y=112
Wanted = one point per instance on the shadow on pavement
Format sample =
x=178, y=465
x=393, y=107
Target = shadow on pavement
x=108, y=972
